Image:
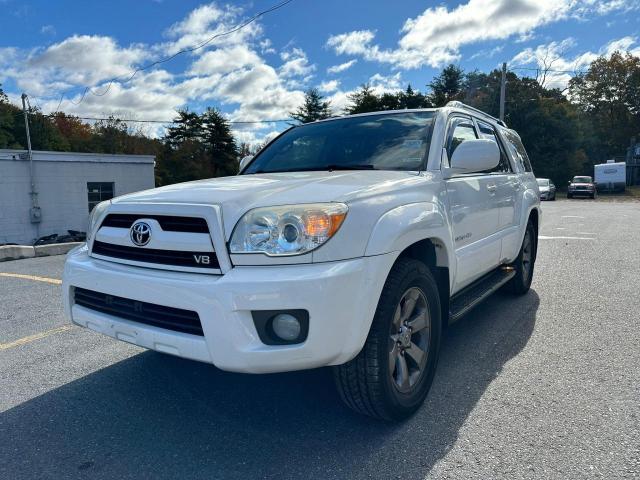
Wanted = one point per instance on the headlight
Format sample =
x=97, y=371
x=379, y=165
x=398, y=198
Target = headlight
x=95, y=216
x=287, y=229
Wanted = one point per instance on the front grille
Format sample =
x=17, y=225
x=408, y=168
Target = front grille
x=170, y=318
x=167, y=222
x=165, y=257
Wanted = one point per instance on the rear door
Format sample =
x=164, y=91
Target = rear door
x=506, y=180
x=473, y=211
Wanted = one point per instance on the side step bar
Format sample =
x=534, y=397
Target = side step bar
x=469, y=297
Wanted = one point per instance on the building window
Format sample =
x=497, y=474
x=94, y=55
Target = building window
x=98, y=192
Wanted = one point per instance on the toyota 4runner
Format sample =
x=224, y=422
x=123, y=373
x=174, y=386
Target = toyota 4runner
x=350, y=242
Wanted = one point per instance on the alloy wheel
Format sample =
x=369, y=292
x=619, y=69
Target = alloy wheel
x=409, y=339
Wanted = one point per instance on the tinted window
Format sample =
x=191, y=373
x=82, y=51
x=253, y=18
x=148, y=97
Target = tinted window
x=461, y=130
x=517, y=150
x=488, y=132
x=384, y=142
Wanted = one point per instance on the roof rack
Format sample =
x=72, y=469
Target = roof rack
x=458, y=104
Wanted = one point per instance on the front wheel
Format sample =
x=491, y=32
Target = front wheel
x=391, y=376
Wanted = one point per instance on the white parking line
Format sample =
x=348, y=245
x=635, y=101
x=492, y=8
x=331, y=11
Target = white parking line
x=544, y=237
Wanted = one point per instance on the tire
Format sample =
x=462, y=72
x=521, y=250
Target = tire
x=569, y=195
x=524, y=263
x=385, y=380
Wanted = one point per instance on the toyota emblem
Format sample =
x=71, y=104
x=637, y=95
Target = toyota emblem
x=140, y=233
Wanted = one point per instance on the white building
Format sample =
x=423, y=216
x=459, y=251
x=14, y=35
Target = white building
x=68, y=185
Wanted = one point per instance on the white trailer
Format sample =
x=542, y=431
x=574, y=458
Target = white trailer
x=610, y=176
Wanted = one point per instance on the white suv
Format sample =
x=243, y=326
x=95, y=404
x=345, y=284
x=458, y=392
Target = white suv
x=350, y=242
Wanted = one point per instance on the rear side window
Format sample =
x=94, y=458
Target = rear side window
x=461, y=130
x=488, y=132
x=517, y=150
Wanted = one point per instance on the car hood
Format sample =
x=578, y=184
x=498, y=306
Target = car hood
x=238, y=194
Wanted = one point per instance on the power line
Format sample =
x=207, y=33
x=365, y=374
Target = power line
x=171, y=57
x=540, y=69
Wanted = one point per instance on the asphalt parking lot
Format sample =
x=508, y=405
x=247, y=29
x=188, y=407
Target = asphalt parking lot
x=541, y=386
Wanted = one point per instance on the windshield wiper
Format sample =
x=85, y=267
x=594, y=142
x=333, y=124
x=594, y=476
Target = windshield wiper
x=363, y=166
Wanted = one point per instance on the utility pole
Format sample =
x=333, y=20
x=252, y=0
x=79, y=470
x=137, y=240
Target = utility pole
x=503, y=84
x=35, y=209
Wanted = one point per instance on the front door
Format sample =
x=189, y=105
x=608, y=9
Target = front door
x=474, y=213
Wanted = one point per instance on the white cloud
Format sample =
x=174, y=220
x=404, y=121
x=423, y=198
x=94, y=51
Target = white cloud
x=329, y=86
x=48, y=30
x=383, y=84
x=80, y=60
x=229, y=72
x=296, y=64
x=561, y=67
x=342, y=67
x=435, y=37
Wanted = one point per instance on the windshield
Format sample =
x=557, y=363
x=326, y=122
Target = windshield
x=391, y=141
x=581, y=179
x=543, y=182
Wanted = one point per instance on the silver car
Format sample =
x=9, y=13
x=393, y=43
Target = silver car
x=547, y=189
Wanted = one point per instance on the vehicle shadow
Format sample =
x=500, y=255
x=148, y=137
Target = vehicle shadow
x=156, y=416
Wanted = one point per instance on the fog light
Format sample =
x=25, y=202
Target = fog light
x=286, y=327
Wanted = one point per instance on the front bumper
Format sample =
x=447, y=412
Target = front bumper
x=341, y=298
x=581, y=193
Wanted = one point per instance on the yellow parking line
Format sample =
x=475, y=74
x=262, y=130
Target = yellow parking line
x=55, y=281
x=34, y=337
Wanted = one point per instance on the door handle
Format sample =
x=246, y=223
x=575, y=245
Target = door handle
x=492, y=188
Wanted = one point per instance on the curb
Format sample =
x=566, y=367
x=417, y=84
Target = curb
x=16, y=252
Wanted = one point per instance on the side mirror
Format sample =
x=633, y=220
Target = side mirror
x=244, y=162
x=475, y=156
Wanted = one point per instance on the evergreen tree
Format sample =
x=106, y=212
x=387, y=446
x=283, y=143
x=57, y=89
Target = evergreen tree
x=363, y=100
x=412, y=99
x=448, y=85
x=219, y=143
x=314, y=108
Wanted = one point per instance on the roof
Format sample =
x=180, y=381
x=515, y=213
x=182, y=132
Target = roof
x=453, y=105
x=48, y=156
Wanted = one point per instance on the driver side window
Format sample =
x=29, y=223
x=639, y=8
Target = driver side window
x=460, y=130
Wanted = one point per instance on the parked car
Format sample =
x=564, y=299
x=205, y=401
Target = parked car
x=547, y=189
x=582, y=186
x=350, y=242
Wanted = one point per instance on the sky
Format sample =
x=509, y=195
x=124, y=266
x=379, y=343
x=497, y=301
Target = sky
x=78, y=56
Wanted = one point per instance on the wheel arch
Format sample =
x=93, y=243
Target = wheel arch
x=420, y=231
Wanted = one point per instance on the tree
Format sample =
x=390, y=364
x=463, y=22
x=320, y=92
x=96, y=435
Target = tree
x=608, y=94
x=363, y=101
x=314, y=108
x=412, y=99
x=9, y=114
x=219, y=143
x=448, y=85
x=197, y=146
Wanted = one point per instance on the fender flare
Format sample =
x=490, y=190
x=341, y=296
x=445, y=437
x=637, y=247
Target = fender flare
x=402, y=226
